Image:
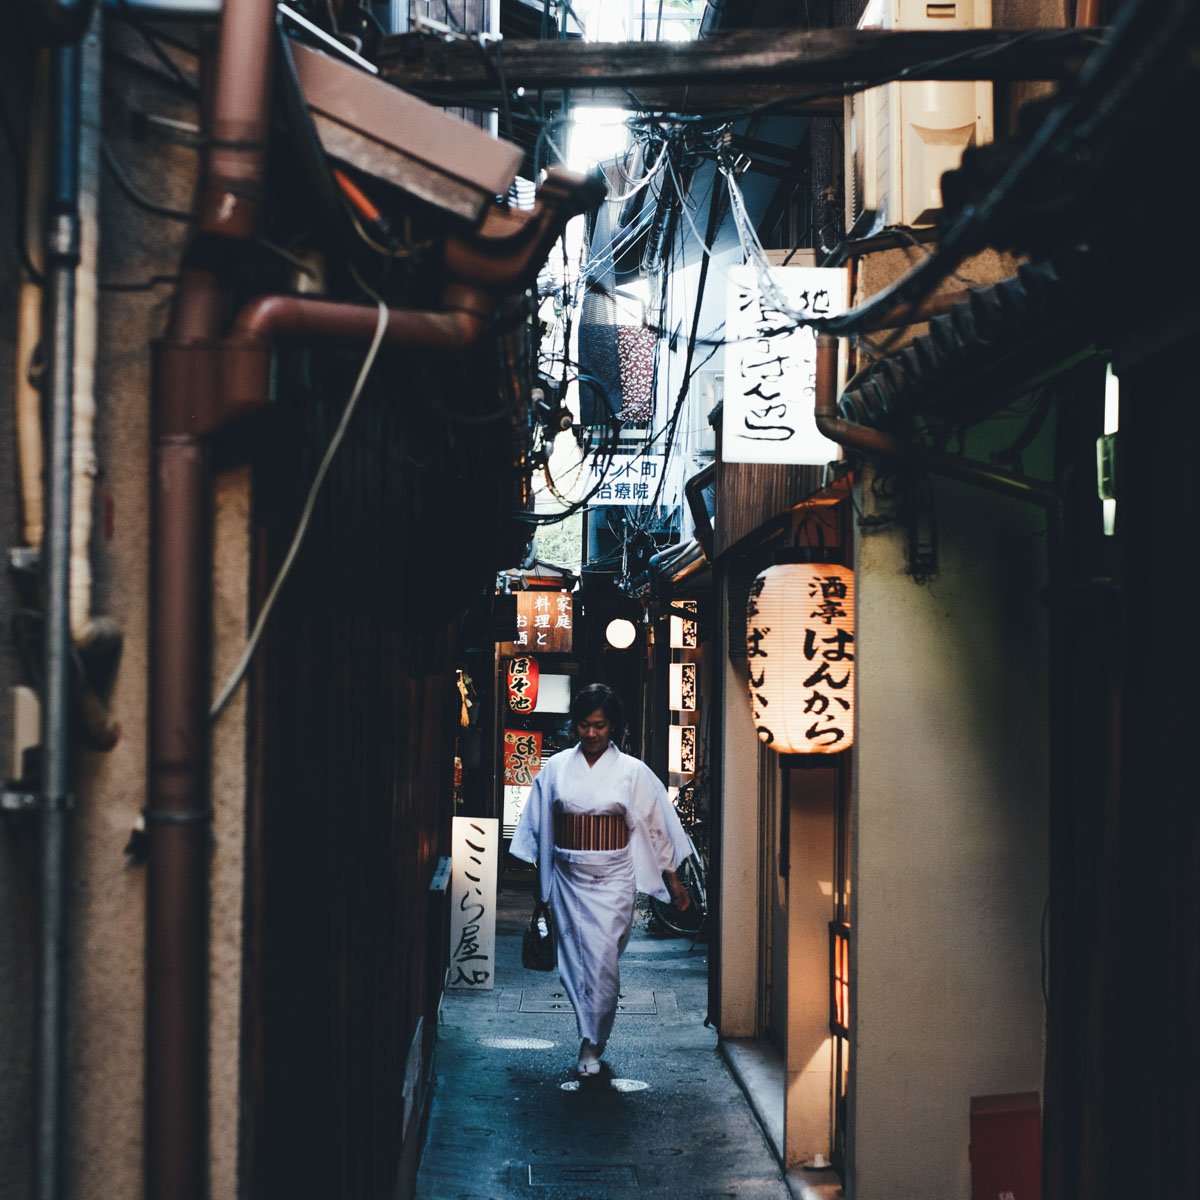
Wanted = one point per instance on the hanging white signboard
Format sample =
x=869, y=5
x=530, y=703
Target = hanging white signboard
x=771, y=366
x=475, y=855
x=627, y=479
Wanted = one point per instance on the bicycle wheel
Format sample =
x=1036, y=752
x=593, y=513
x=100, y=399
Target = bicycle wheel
x=690, y=919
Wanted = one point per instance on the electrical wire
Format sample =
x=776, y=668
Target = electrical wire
x=134, y=193
x=239, y=671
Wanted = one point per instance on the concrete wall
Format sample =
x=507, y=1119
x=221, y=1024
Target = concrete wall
x=810, y=802
x=950, y=841
x=104, y=1086
x=739, y=881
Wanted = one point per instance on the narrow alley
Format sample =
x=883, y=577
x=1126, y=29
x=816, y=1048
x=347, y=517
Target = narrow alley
x=510, y=1119
x=693, y=490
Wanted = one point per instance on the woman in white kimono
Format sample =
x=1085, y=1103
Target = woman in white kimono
x=600, y=827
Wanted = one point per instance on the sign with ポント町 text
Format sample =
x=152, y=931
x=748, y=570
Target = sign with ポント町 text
x=474, y=859
x=627, y=479
x=771, y=364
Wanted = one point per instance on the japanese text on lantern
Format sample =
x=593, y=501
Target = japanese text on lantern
x=473, y=902
x=800, y=655
x=522, y=684
x=522, y=756
x=545, y=621
x=771, y=364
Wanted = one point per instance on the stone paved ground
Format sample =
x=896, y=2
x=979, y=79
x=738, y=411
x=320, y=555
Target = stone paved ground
x=503, y=1127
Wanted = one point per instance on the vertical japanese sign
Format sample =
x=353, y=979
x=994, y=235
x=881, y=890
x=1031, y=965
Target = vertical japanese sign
x=681, y=749
x=545, y=621
x=800, y=655
x=522, y=756
x=475, y=855
x=682, y=687
x=523, y=676
x=771, y=365
x=684, y=635
x=516, y=797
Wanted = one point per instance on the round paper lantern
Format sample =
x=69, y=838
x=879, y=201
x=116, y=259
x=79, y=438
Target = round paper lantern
x=523, y=684
x=800, y=654
x=620, y=633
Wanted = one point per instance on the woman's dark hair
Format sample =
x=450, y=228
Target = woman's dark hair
x=599, y=696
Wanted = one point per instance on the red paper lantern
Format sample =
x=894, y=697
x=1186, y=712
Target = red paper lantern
x=522, y=684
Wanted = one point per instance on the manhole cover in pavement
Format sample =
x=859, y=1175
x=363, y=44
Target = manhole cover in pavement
x=558, y=1174
x=516, y=1043
x=634, y=1003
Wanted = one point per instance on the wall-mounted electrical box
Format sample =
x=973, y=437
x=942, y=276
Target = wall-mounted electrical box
x=902, y=137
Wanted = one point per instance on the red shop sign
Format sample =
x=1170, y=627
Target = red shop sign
x=522, y=684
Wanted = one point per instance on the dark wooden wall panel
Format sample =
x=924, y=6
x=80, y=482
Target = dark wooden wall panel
x=356, y=718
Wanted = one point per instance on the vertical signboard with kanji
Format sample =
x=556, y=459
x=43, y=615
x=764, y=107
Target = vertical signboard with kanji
x=545, y=622
x=771, y=364
x=475, y=854
x=522, y=761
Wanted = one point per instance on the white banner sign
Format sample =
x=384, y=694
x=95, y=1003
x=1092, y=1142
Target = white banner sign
x=475, y=857
x=627, y=480
x=515, y=798
x=771, y=366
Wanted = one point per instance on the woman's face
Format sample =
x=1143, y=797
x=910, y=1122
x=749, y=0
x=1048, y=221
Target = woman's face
x=594, y=732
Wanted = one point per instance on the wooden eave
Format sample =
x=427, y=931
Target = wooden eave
x=792, y=70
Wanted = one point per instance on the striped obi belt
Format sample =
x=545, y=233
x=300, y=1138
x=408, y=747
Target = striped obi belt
x=583, y=831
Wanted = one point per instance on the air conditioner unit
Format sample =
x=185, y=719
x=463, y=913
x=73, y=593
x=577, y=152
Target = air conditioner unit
x=902, y=137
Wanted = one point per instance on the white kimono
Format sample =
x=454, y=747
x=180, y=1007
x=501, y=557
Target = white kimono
x=591, y=892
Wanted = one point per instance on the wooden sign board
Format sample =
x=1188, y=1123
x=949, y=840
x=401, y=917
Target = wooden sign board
x=475, y=858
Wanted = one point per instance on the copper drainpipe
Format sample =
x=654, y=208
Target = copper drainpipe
x=875, y=443
x=177, y=802
x=201, y=382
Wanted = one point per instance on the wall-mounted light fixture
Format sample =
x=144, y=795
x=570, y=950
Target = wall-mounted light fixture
x=839, y=978
x=683, y=630
x=800, y=654
x=683, y=687
x=681, y=750
x=620, y=633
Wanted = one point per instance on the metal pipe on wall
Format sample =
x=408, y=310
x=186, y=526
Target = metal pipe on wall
x=61, y=262
x=177, y=804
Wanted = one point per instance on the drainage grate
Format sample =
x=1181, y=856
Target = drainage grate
x=634, y=1003
x=560, y=1174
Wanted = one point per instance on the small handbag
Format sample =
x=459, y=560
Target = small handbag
x=537, y=947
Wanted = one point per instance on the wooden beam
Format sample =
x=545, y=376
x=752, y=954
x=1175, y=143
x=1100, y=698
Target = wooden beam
x=700, y=100
x=788, y=63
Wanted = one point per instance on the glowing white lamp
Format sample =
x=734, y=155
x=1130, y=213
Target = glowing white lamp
x=620, y=633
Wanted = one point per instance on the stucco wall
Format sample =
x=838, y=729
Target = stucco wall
x=950, y=841
x=105, y=1009
x=739, y=882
